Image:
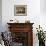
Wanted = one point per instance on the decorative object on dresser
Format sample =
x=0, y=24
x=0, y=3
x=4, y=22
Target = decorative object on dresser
x=13, y=21
x=22, y=33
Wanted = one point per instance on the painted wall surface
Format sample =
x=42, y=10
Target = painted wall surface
x=43, y=14
x=33, y=14
x=43, y=6
x=0, y=15
x=33, y=11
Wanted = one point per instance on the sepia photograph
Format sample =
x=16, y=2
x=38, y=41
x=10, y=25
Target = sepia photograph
x=20, y=10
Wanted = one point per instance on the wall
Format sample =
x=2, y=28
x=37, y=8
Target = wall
x=0, y=15
x=43, y=14
x=33, y=11
x=34, y=14
x=43, y=6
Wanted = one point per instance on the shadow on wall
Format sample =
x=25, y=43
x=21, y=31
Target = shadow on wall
x=0, y=15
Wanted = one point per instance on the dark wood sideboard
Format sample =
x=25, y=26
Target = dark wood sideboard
x=22, y=33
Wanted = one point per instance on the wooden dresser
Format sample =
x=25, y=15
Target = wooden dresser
x=22, y=33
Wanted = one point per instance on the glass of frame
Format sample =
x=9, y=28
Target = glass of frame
x=20, y=10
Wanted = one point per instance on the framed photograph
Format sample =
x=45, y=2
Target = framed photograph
x=20, y=10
